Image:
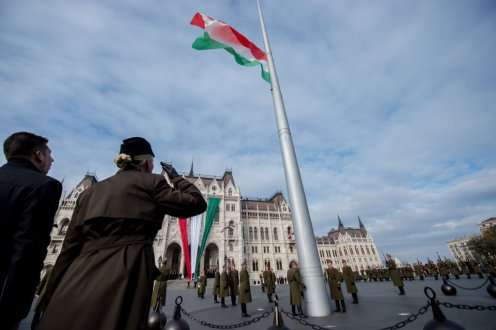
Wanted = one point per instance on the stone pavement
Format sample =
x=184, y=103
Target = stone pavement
x=379, y=307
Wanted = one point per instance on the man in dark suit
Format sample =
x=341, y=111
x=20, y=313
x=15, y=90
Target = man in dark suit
x=28, y=202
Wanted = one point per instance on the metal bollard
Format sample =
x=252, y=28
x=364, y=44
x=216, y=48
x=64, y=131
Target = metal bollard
x=491, y=287
x=278, y=322
x=439, y=322
x=177, y=323
x=448, y=289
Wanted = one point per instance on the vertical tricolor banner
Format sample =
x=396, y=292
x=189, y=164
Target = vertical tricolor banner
x=183, y=227
x=195, y=227
x=213, y=203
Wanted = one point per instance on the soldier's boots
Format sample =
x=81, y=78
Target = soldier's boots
x=338, y=307
x=300, y=310
x=402, y=291
x=270, y=298
x=293, y=310
x=343, y=306
x=215, y=299
x=355, y=298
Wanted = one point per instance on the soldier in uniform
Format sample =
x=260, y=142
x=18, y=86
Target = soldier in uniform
x=202, y=285
x=160, y=287
x=464, y=268
x=349, y=279
x=333, y=278
x=244, y=289
x=269, y=280
x=224, y=286
x=453, y=267
x=295, y=288
x=233, y=284
x=393, y=272
x=216, y=287
x=432, y=269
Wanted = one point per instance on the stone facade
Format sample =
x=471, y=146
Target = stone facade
x=258, y=230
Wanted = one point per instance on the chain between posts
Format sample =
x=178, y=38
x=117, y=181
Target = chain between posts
x=461, y=287
x=399, y=325
x=227, y=326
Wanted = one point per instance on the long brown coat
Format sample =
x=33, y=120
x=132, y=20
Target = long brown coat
x=393, y=272
x=104, y=275
x=269, y=279
x=160, y=287
x=224, y=284
x=349, y=279
x=234, y=282
x=216, y=287
x=244, y=287
x=295, y=286
x=202, y=284
x=334, y=279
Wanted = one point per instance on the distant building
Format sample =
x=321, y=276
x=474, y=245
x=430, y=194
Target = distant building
x=486, y=224
x=255, y=229
x=459, y=247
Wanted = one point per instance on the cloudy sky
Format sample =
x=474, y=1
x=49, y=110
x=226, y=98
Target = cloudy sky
x=391, y=104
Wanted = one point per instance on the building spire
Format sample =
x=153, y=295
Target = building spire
x=340, y=224
x=191, y=169
x=360, y=222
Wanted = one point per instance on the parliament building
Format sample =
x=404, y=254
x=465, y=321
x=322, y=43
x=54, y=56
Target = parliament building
x=258, y=230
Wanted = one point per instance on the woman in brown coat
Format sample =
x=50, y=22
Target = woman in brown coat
x=244, y=289
x=104, y=275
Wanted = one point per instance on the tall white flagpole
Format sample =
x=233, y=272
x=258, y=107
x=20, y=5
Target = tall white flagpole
x=316, y=298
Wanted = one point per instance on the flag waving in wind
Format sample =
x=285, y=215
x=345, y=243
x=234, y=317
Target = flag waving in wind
x=220, y=35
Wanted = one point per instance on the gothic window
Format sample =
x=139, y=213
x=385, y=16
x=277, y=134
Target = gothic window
x=255, y=265
x=278, y=264
x=251, y=233
x=356, y=250
x=274, y=236
x=230, y=230
x=55, y=248
x=229, y=192
x=290, y=249
x=65, y=225
x=267, y=263
x=255, y=233
x=363, y=252
x=216, y=219
x=261, y=234
x=373, y=251
x=233, y=207
x=351, y=251
x=266, y=233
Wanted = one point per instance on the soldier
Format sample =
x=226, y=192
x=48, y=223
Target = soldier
x=453, y=267
x=349, y=279
x=464, y=268
x=393, y=272
x=443, y=269
x=269, y=279
x=476, y=267
x=432, y=269
x=160, y=287
x=216, y=287
x=295, y=288
x=202, y=285
x=244, y=289
x=224, y=286
x=334, y=279
x=233, y=284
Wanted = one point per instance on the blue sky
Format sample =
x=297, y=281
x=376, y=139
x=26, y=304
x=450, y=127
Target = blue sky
x=391, y=104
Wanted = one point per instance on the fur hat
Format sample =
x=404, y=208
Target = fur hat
x=136, y=146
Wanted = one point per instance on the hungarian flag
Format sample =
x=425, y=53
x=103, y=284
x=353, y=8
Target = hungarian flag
x=220, y=35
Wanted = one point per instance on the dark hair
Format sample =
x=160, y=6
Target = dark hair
x=23, y=144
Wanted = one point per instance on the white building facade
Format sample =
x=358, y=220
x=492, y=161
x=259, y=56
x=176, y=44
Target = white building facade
x=258, y=230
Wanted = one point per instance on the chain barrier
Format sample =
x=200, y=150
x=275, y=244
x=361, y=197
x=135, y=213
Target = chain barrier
x=227, y=326
x=412, y=318
x=467, y=307
x=461, y=287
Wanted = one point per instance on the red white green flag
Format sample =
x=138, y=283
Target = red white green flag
x=220, y=35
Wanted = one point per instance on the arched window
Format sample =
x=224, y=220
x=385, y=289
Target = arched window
x=274, y=236
x=261, y=234
x=278, y=264
x=251, y=233
x=216, y=219
x=255, y=233
x=229, y=192
x=64, y=226
x=267, y=233
x=255, y=265
x=267, y=263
